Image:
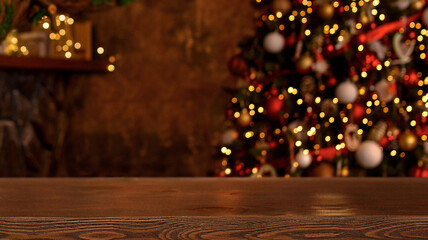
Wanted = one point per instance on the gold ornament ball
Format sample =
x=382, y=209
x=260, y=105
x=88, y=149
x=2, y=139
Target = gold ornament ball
x=245, y=118
x=355, y=78
x=283, y=6
x=305, y=62
x=393, y=131
x=418, y=4
x=326, y=11
x=378, y=131
x=323, y=169
x=344, y=172
x=364, y=19
x=408, y=141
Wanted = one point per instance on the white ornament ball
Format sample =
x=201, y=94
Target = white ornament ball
x=321, y=66
x=274, y=42
x=301, y=135
x=266, y=170
x=304, y=159
x=402, y=4
x=347, y=92
x=425, y=17
x=229, y=136
x=369, y=154
x=384, y=90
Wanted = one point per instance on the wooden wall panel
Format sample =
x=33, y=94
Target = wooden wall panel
x=161, y=112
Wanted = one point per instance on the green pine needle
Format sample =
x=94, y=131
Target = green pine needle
x=124, y=2
x=99, y=2
x=38, y=16
x=6, y=24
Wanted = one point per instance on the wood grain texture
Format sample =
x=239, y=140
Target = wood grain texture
x=214, y=228
x=209, y=208
x=137, y=197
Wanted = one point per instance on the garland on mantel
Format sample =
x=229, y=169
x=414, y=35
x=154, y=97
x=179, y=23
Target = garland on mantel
x=16, y=13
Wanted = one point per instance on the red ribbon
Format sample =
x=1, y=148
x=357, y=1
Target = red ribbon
x=363, y=38
x=376, y=34
x=329, y=152
x=385, y=29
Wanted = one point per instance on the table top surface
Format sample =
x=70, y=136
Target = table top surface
x=153, y=197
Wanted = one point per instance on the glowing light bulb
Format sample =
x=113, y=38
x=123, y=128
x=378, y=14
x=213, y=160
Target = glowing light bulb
x=111, y=67
x=77, y=45
x=100, y=51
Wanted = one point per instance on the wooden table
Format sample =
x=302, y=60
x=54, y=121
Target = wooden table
x=210, y=208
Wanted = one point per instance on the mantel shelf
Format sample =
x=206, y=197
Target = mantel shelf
x=52, y=64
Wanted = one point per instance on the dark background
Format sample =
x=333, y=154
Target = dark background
x=161, y=113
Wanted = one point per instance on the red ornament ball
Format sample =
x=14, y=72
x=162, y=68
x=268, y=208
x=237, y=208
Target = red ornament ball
x=274, y=91
x=331, y=81
x=328, y=50
x=416, y=171
x=367, y=60
x=259, y=23
x=358, y=112
x=329, y=47
x=411, y=78
x=362, y=39
x=290, y=40
x=412, y=35
x=273, y=144
x=273, y=107
x=229, y=114
x=238, y=66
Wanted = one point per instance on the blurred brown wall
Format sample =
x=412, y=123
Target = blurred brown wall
x=161, y=112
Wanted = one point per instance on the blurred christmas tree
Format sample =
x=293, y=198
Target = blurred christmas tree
x=330, y=88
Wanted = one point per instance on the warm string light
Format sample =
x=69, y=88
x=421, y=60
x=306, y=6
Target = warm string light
x=63, y=40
